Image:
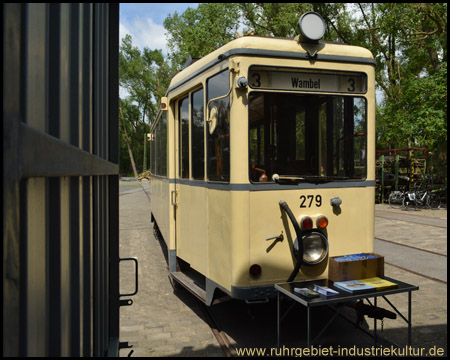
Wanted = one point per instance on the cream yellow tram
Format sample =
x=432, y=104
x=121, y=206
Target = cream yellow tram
x=262, y=163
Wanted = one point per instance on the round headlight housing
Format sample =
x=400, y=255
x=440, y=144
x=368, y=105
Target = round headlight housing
x=315, y=247
x=311, y=26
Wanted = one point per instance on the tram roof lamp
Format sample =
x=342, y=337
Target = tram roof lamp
x=311, y=26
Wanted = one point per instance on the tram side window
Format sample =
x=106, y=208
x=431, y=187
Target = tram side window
x=152, y=154
x=198, y=134
x=158, y=147
x=218, y=134
x=183, y=138
x=163, y=157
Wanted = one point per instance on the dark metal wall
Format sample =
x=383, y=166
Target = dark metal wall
x=60, y=179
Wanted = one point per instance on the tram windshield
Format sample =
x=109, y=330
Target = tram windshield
x=306, y=138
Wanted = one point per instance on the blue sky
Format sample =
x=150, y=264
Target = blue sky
x=144, y=22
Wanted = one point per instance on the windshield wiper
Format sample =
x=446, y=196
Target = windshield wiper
x=278, y=178
x=306, y=178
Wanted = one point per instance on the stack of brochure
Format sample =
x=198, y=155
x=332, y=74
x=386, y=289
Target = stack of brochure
x=306, y=292
x=324, y=290
x=354, y=286
x=379, y=283
x=355, y=257
x=365, y=285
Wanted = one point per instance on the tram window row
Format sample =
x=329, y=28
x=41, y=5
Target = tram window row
x=191, y=128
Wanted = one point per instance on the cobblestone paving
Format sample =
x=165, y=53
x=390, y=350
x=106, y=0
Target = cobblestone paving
x=162, y=322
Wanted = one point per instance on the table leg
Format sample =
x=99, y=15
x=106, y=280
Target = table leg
x=308, y=330
x=278, y=319
x=409, y=318
x=375, y=322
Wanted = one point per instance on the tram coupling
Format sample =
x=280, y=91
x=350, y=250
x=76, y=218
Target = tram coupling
x=371, y=311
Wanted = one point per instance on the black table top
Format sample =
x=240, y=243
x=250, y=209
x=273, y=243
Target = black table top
x=343, y=296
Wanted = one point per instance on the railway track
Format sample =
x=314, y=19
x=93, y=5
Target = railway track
x=221, y=337
x=415, y=258
x=412, y=217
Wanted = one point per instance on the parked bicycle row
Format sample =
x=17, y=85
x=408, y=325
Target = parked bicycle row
x=416, y=198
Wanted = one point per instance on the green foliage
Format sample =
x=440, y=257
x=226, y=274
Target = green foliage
x=419, y=118
x=408, y=41
x=199, y=31
x=146, y=76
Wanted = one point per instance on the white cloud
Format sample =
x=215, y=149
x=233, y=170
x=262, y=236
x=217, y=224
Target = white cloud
x=145, y=33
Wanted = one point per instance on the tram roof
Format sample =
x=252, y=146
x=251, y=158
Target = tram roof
x=274, y=47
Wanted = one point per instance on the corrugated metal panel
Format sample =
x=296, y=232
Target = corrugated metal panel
x=60, y=179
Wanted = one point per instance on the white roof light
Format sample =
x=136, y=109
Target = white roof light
x=311, y=26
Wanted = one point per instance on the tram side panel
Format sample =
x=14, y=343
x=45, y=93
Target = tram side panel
x=191, y=240
x=160, y=205
x=219, y=235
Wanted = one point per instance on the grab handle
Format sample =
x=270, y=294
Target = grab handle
x=135, y=278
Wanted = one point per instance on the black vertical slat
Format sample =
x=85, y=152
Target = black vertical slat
x=53, y=226
x=96, y=265
x=95, y=81
x=74, y=233
x=100, y=65
x=113, y=206
x=23, y=340
x=74, y=73
x=113, y=181
x=23, y=232
x=102, y=256
x=54, y=69
x=100, y=274
x=87, y=36
x=87, y=266
x=113, y=86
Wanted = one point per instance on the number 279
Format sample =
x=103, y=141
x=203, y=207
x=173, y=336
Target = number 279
x=306, y=201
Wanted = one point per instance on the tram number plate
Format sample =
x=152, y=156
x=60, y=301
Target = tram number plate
x=306, y=201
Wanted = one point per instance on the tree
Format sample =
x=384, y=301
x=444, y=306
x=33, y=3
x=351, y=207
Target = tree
x=197, y=32
x=408, y=41
x=145, y=75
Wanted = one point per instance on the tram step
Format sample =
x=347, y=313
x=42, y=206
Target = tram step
x=190, y=284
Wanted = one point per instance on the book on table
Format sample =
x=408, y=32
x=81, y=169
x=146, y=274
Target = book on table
x=306, y=292
x=379, y=283
x=354, y=286
x=324, y=290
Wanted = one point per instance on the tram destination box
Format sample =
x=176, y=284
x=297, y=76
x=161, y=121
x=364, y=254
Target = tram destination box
x=357, y=266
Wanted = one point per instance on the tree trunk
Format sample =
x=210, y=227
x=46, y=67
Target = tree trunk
x=130, y=153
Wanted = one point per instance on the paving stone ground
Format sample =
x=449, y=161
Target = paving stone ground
x=162, y=322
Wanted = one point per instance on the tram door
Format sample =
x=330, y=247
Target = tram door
x=191, y=194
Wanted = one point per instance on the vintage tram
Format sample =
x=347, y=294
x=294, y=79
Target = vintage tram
x=262, y=163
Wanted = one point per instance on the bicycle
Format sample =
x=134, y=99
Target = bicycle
x=396, y=199
x=423, y=198
x=409, y=200
x=434, y=201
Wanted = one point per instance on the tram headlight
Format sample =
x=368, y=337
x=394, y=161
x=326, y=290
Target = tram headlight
x=315, y=247
x=311, y=26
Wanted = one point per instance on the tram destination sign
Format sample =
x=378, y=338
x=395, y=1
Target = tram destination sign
x=281, y=79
